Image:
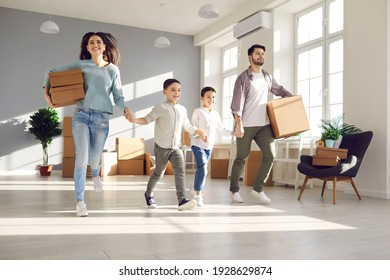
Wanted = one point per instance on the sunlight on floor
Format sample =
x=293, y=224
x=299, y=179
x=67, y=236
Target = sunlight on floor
x=214, y=219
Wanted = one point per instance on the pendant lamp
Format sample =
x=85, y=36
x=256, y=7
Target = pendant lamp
x=208, y=11
x=162, y=42
x=49, y=27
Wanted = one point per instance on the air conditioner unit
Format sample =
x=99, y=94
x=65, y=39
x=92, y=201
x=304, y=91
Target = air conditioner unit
x=258, y=21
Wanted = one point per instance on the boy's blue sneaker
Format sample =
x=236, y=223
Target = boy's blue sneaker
x=150, y=201
x=186, y=204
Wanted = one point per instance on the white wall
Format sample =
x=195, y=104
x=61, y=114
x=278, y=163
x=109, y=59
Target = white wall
x=366, y=90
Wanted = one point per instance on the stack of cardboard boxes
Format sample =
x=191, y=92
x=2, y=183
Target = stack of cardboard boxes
x=66, y=87
x=69, y=152
x=108, y=163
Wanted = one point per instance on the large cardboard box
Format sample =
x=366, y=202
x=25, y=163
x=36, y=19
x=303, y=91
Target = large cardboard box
x=287, y=116
x=130, y=167
x=109, y=164
x=68, y=167
x=130, y=148
x=67, y=127
x=69, y=147
x=149, y=164
x=219, y=168
x=67, y=95
x=169, y=169
x=332, y=152
x=251, y=168
x=67, y=77
x=219, y=163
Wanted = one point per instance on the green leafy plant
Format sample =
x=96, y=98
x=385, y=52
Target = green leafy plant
x=44, y=125
x=336, y=127
x=330, y=134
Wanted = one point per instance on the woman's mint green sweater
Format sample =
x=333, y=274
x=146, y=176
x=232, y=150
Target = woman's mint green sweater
x=99, y=84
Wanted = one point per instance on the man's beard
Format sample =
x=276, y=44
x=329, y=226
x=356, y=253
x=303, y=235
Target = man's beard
x=258, y=63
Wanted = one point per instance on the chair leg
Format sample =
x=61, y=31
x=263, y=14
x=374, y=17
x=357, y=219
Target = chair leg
x=334, y=189
x=323, y=187
x=303, y=187
x=355, y=188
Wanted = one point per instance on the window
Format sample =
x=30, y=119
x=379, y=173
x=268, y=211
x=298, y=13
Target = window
x=319, y=61
x=229, y=76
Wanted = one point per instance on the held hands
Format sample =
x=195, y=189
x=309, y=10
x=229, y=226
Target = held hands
x=129, y=114
x=239, y=131
x=202, y=135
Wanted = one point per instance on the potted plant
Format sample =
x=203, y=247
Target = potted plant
x=336, y=128
x=330, y=136
x=44, y=125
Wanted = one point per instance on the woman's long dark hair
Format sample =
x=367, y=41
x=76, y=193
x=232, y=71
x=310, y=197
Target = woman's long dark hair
x=111, y=54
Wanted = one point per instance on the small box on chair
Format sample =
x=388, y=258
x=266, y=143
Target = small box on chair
x=332, y=152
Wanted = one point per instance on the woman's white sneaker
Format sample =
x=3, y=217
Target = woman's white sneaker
x=261, y=197
x=81, y=209
x=97, y=184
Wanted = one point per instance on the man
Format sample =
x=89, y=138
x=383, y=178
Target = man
x=249, y=108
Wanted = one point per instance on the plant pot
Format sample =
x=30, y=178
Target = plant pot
x=329, y=143
x=45, y=170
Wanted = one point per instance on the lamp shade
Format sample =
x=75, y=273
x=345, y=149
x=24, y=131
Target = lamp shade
x=208, y=11
x=162, y=42
x=49, y=27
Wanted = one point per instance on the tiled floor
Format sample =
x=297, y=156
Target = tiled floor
x=38, y=222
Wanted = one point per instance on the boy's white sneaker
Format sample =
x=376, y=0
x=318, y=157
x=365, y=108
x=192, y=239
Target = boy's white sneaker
x=261, y=197
x=236, y=197
x=186, y=204
x=81, y=209
x=199, y=200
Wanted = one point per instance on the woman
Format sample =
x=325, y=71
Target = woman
x=99, y=57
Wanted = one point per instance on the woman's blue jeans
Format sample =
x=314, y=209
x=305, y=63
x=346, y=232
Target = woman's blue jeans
x=202, y=157
x=90, y=130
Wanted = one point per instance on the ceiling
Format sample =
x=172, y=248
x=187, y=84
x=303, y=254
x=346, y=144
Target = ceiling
x=176, y=16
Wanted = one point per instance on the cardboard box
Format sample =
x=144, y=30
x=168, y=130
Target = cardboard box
x=251, y=168
x=287, y=116
x=109, y=164
x=69, y=148
x=130, y=167
x=130, y=148
x=325, y=161
x=219, y=163
x=67, y=95
x=68, y=167
x=169, y=169
x=219, y=168
x=149, y=166
x=67, y=127
x=185, y=138
x=332, y=152
x=67, y=77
